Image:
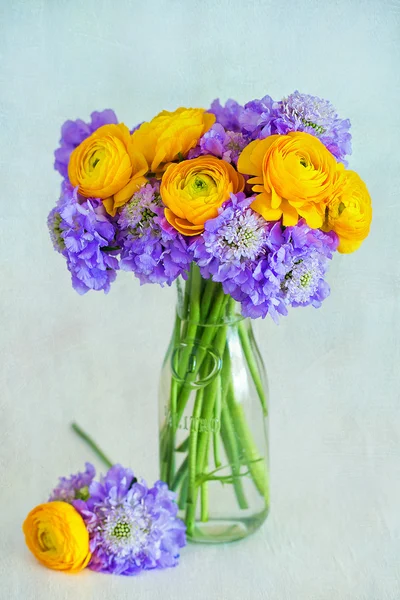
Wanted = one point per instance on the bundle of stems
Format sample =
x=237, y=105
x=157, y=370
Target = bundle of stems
x=205, y=322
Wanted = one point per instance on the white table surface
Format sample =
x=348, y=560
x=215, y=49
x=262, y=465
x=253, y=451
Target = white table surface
x=334, y=529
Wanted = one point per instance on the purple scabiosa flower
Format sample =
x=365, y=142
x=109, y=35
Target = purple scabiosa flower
x=263, y=265
x=303, y=112
x=299, y=256
x=131, y=527
x=150, y=247
x=229, y=115
x=54, y=224
x=223, y=144
x=258, y=118
x=235, y=235
x=230, y=250
x=75, y=487
x=85, y=235
x=74, y=132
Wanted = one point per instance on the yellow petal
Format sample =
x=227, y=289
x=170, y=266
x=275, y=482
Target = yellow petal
x=262, y=206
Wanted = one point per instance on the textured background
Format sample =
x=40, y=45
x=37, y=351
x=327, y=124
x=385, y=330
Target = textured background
x=334, y=531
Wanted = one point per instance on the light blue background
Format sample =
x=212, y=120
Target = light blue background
x=334, y=531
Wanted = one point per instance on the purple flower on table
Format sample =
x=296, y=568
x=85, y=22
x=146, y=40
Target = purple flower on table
x=258, y=117
x=75, y=487
x=229, y=115
x=83, y=232
x=74, y=132
x=224, y=144
x=131, y=527
x=303, y=112
x=150, y=247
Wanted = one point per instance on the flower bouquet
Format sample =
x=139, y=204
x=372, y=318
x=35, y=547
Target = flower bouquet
x=243, y=206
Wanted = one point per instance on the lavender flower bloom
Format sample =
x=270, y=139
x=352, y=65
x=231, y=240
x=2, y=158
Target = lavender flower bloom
x=150, y=247
x=54, y=224
x=74, y=132
x=75, y=487
x=258, y=117
x=300, y=254
x=264, y=266
x=303, y=112
x=224, y=144
x=131, y=527
x=229, y=251
x=84, y=234
x=237, y=234
x=229, y=115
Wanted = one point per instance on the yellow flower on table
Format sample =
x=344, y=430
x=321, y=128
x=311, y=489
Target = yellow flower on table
x=106, y=165
x=349, y=213
x=193, y=191
x=56, y=535
x=294, y=176
x=170, y=135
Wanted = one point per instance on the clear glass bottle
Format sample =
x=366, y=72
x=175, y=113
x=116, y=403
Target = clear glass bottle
x=213, y=416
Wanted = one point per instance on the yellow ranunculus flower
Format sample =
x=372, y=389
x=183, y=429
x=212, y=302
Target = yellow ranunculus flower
x=56, y=535
x=193, y=191
x=170, y=135
x=106, y=165
x=349, y=213
x=294, y=175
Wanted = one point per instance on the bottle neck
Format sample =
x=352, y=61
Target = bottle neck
x=203, y=301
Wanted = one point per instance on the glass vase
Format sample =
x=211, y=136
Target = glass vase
x=213, y=416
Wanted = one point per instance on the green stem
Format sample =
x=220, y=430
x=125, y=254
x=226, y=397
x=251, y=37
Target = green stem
x=173, y=401
x=210, y=394
x=183, y=447
x=206, y=299
x=183, y=492
x=88, y=440
x=232, y=454
x=192, y=316
x=204, y=502
x=243, y=436
x=180, y=474
x=192, y=488
x=252, y=364
x=250, y=451
x=217, y=417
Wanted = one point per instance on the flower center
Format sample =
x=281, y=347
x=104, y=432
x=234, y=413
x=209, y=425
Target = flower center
x=82, y=493
x=56, y=231
x=126, y=529
x=95, y=158
x=302, y=281
x=200, y=185
x=46, y=541
x=305, y=279
x=317, y=128
x=121, y=530
x=242, y=237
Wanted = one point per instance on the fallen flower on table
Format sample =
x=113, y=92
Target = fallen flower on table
x=56, y=535
x=114, y=525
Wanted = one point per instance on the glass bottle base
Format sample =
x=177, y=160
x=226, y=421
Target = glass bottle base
x=222, y=531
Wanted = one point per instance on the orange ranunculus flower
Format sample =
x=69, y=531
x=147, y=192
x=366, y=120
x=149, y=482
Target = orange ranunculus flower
x=294, y=175
x=193, y=191
x=106, y=165
x=170, y=135
x=56, y=535
x=349, y=213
